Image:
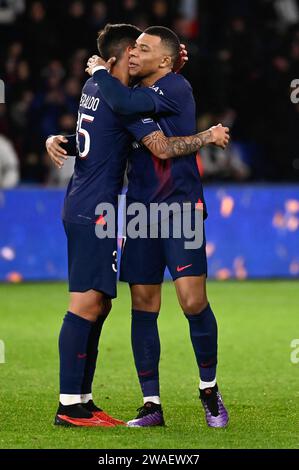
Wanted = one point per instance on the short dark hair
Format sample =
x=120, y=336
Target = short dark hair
x=168, y=37
x=115, y=38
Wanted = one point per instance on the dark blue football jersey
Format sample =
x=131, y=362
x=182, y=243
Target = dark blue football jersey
x=104, y=140
x=176, y=179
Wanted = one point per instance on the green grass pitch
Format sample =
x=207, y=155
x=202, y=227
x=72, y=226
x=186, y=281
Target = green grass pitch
x=260, y=385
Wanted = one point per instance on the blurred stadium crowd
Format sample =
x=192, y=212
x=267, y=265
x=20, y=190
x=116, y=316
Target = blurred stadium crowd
x=243, y=55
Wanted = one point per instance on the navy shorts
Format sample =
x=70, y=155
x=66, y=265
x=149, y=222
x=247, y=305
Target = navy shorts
x=144, y=260
x=92, y=262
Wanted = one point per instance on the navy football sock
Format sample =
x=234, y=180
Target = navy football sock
x=92, y=354
x=203, y=332
x=73, y=341
x=146, y=350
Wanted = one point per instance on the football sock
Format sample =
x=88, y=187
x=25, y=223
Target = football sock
x=146, y=350
x=92, y=354
x=154, y=399
x=73, y=341
x=85, y=398
x=68, y=399
x=203, y=385
x=203, y=333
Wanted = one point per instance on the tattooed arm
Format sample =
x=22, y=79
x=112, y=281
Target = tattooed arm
x=169, y=147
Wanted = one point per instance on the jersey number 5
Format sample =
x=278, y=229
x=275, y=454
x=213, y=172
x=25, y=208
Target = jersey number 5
x=82, y=118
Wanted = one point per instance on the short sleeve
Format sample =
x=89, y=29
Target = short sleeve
x=141, y=127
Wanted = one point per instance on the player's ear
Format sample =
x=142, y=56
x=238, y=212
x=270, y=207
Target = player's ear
x=166, y=62
x=129, y=50
x=111, y=62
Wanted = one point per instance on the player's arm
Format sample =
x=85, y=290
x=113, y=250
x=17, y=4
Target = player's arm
x=60, y=147
x=169, y=147
x=124, y=100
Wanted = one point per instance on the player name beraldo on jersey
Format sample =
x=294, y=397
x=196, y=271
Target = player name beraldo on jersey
x=89, y=102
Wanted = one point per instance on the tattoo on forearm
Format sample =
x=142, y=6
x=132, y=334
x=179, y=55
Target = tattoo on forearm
x=159, y=144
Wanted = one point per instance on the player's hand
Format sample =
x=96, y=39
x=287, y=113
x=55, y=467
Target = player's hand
x=220, y=135
x=55, y=151
x=183, y=59
x=95, y=61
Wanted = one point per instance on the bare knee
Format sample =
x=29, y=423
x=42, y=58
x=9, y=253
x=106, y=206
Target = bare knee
x=145, y=303
x=89, y=305
x=146, y=298
x=192, y=295
x=193, y=304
